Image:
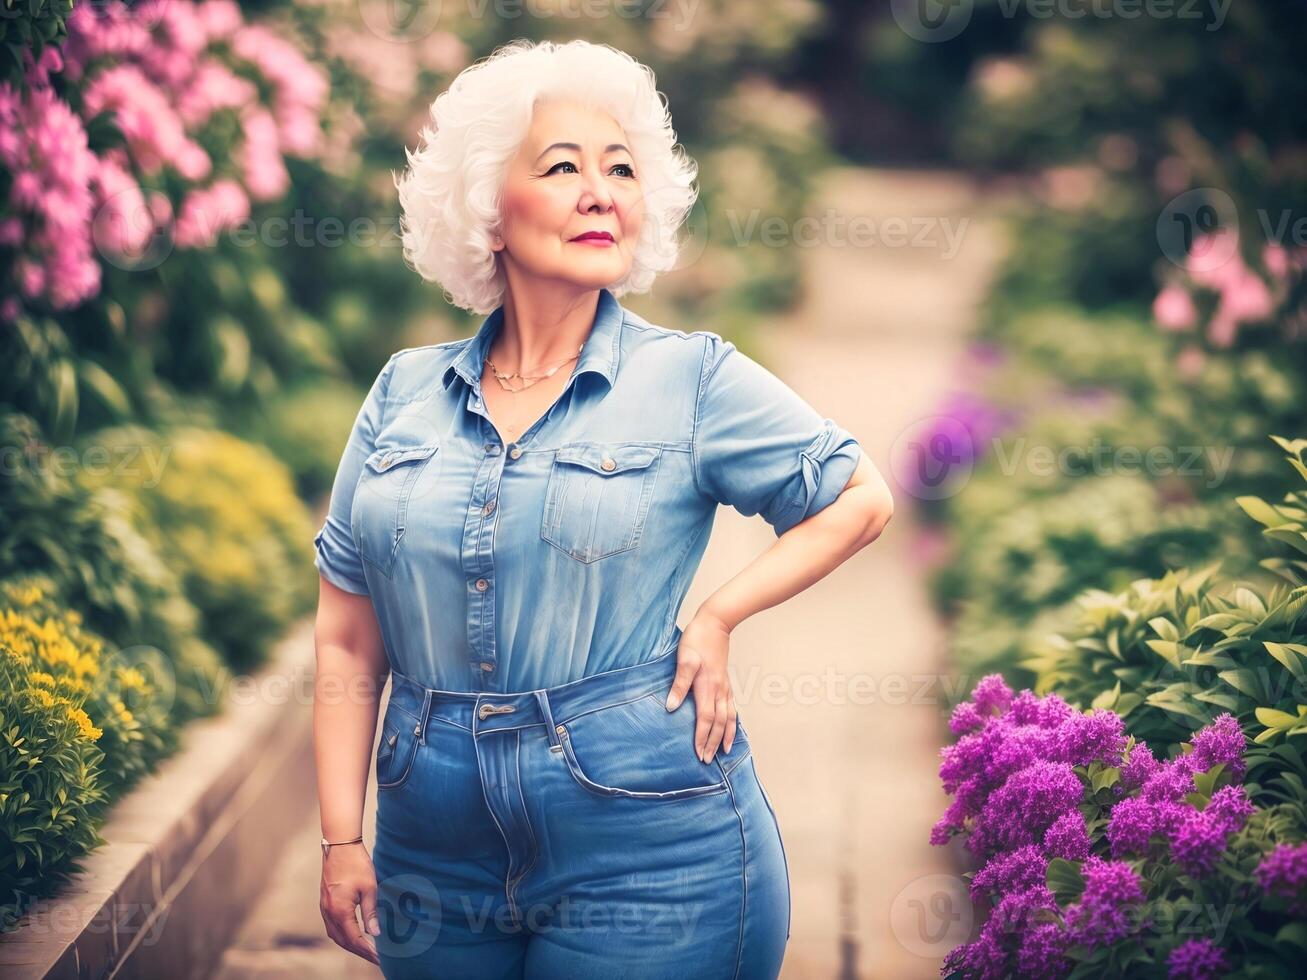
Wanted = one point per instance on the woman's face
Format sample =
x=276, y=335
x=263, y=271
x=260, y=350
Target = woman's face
x=573, y=174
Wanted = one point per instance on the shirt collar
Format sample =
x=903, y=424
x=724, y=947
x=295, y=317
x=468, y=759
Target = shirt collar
x=600, y=353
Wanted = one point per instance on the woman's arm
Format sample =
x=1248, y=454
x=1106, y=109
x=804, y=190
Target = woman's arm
x=806, y=553
x=351, y=671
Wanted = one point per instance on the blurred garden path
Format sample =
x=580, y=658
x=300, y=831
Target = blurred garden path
x=848, y=750
x=850, y=756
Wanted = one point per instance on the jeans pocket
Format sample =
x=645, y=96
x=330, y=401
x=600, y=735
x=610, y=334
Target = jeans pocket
x=381, y=499
x=397, y=749
x=597, y=498
x=639, y=749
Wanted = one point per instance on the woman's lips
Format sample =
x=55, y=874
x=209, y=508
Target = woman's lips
x=593, y=239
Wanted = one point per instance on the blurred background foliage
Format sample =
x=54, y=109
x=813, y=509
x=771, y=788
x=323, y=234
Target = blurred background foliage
x=177, y=390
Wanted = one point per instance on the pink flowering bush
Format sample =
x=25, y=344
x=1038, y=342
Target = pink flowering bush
x=1090, y=849
x=1230, y=294
x=198, y=142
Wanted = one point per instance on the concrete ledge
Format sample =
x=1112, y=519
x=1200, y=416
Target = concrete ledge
x=191, y=846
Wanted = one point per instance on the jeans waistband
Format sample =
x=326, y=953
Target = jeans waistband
x=489, y=711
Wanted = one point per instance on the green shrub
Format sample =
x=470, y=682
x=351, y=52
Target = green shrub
x=99, y=563
x=127, y=698
x=1169, y=654
x=224, y=513
x=306, y=428
x=52, y=797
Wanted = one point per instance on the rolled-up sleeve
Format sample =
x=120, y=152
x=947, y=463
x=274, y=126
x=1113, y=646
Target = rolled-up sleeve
x=759, y=447
x=337, y=555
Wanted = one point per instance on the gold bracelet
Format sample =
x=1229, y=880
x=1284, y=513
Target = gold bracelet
x=327, y=845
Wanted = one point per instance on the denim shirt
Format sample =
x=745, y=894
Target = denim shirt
x=505, y=569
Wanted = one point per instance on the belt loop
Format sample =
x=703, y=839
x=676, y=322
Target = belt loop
x=543, y=699
x=426, y=713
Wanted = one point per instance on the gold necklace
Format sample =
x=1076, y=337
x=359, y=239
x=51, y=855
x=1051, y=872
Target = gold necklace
x=501, y=377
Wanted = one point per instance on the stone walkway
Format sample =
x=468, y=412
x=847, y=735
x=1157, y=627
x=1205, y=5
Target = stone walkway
x=848, y=750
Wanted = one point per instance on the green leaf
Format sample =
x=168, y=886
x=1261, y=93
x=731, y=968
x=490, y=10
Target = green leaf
x=1293, y=932
x=1065, y=880
x=1168, y=650
x=1274, y=718
x=1260, y=511
x=1105, y=778
x=1164, y=628
x=1242, y=680
x=1289, y=654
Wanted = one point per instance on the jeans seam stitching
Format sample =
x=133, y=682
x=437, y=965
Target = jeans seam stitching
x=744, y=876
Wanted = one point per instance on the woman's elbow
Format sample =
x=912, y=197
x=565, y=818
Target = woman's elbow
x=879, y=511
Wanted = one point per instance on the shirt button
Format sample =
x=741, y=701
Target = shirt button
x=515, y=452
x=607, y=464
x=489, y=508
x=482, y=585
x=487, y=666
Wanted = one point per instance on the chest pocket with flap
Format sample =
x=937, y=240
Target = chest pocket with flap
x=598, y=497
x=382, y=499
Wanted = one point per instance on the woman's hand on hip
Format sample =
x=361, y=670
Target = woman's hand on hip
x=349, y=882
x=701, y=663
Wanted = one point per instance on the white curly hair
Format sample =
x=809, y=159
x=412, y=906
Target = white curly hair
x=451, y=193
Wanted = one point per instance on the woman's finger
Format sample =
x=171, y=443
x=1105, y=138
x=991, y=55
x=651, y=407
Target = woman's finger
x=358, y=943
x=343, y=928
x=717, y=730
x=369, y=907
x=732, y=714
x=686, y=668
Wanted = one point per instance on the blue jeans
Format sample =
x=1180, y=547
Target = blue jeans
x=571, y=833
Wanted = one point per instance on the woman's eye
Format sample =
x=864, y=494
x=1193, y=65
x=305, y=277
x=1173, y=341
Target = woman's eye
x=630, y=171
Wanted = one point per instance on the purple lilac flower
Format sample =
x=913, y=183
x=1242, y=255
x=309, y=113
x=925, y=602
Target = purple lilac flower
x=1023, y=922
x=1022, y=809
x=1105, y=913
x=1196, y=959
x=982, y=960
x=994, y=748
x=1010, y=871
x=1283, y=874
x=1139, y=768
x=1131, y=826
x=1042, y=954
x=1096, y=737
x=1197, y=844
x=1199, y=838
x=965, y=718
x=1172, y=781
x=991, y=695
x=1067, y=837
x=1220, y=742
x=1230, y=807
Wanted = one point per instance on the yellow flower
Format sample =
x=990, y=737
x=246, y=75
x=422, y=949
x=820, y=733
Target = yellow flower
x=84, y=726
x=41, y=695
x=131, y=679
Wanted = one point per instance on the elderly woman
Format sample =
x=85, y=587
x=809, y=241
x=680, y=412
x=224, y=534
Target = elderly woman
x=516, y=519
